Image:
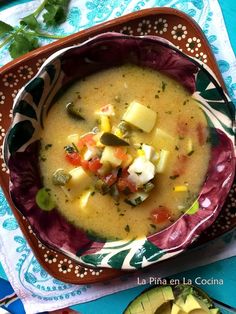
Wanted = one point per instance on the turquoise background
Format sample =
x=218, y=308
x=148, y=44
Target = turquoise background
x=225, y=269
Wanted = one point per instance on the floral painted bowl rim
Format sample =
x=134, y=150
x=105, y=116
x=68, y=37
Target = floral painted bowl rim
x=92, y=256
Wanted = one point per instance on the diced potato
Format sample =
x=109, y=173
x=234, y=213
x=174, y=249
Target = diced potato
x=90, y=153
x=105, y=169
x=162, y=139
x=85, y=198
x=108, y=156
x=140, y=116
x=97, y=139
x=73, y=138
x=181, y=188
x=79, y=181
x=159, y=133
x=163, y=160
x=189, y=146
x=149, y=151
x=105, y=124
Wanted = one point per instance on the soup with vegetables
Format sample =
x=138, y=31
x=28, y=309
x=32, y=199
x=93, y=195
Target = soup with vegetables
x=124, y=152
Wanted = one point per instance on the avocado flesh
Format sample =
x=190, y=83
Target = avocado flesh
x=193, y=305
x=177, y=309
x=149, y=301
x=167, y=293
x=180, y=302
x=164, y=309
x=214, y=311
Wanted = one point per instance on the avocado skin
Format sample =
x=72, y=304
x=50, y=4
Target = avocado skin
x=149, y=301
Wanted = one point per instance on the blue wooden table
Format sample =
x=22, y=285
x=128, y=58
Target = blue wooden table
x=225, y=269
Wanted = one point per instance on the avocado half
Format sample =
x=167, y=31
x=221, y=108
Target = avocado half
x=179, y=299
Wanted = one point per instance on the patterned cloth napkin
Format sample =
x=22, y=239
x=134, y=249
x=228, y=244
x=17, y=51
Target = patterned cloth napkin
x=29, y=280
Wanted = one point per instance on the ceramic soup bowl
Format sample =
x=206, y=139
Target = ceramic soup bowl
x=21, y=148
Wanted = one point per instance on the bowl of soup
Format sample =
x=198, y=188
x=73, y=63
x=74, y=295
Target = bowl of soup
x=121, y=151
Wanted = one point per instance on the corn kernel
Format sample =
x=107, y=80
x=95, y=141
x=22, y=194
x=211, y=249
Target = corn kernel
x=118, y=133
x=180, y=188
x=140, y=152
x=105, y=124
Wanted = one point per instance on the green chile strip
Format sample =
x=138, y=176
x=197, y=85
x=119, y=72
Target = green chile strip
x=110, y=139
x=73, y=111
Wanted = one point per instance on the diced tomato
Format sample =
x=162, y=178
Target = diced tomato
x=124, y=173
x=85, y=164
x=94, y=164
x=120, y=153
x=182, y=128
x=180, y=165
x=110, y=178
x=160, y=215
x=124, y=184
x=74, y=158
x=87, y=140
x=201, y=133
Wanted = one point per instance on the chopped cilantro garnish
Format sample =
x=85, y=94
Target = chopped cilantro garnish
x=174, y=177
x=163, y=85
x=127, y=228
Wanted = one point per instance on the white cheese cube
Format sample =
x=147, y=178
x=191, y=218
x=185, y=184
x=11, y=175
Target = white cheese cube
x=79, y=181
x=140, y=116
x=141, y=171
x=108, y=156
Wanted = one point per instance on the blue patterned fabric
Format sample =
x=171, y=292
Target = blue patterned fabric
x=9, y=300
x=26, y=275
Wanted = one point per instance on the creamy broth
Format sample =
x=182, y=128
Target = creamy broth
x=178, y=114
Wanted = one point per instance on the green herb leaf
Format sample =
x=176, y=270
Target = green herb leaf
x=174, y=177
x=22, y=44
x=5, y=28
x=163, y=85
x=47, y=146
x=127, y=228
x=56, y=12
x=30, y=21
x=190, y=153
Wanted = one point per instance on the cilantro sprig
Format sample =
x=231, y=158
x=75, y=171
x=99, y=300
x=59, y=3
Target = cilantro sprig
x=24, y=37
